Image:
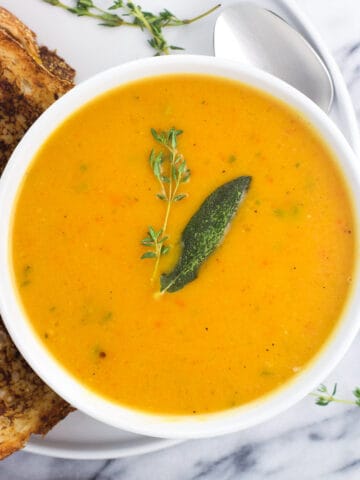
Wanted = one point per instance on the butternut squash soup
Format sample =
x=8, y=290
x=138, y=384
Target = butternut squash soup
x=183, y=244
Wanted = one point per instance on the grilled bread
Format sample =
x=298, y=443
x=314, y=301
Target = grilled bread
x=28, y=85
x=31, y=79
x=27, y=405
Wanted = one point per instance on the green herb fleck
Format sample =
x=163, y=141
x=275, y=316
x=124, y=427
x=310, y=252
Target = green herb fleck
x=289, y=213
x=98, y=352
x=27, y=271
x=279, y=212
x=107, y=317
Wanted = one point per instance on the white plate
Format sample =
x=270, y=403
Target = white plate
x=90, y=49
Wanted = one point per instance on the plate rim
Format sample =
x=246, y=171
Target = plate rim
x=36, y=446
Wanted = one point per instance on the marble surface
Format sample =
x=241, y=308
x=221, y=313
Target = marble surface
x=307, y=442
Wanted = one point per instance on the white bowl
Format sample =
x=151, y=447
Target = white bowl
x=54, y=374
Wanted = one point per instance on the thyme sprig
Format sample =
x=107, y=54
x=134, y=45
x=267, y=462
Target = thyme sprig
x=324, y=396
x=132, y=15
x=170, y=170
x=155, y=240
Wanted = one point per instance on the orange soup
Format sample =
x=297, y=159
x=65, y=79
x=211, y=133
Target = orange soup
x=264, y=301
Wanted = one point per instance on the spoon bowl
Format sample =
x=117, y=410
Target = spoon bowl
x=258, y=37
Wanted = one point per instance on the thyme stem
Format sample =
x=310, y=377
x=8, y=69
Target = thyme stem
x=202, y=15
x=170, y=199
x=334, y=399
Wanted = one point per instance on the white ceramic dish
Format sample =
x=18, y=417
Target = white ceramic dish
x=80, y=436
x=34, y=351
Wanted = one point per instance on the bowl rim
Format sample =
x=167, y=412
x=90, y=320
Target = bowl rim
x=36, y=353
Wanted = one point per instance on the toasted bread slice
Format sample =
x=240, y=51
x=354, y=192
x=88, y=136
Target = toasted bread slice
x=42, y=55
x=20, y=32
x=27, y=405
x=27, y=88
x=30, y=80
x=56, y=65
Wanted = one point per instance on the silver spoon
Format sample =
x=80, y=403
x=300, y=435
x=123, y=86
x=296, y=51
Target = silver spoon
x=255, y=36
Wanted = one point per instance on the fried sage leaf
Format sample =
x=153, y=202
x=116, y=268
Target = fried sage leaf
x=205, y=231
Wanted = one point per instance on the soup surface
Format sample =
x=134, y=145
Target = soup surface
x=264, y=302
